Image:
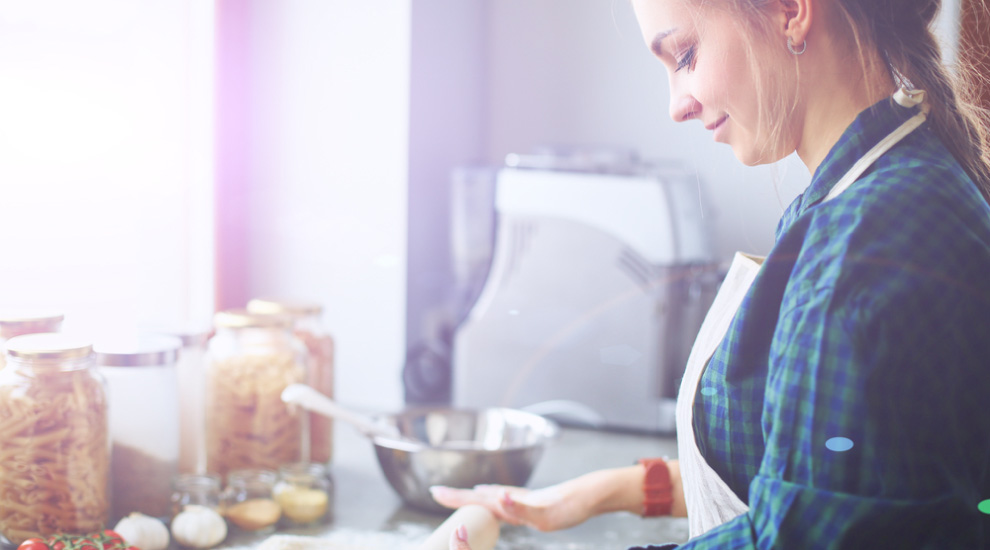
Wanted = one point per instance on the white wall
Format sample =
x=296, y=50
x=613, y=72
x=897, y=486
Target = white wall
x=329, y=189
x=448, y=127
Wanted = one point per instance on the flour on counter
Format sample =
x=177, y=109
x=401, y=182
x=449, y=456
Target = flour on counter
x=404, y=537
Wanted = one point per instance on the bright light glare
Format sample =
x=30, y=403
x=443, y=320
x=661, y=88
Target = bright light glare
x=105, y=148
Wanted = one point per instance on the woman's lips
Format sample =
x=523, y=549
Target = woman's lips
x=718, y=128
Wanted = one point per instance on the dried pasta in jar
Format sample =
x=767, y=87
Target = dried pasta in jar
x=252, y=359
x=54, y=446
x=306, y=321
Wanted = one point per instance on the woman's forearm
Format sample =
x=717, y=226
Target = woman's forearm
x=621, y=489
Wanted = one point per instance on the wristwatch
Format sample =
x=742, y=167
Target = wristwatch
x=658, y=494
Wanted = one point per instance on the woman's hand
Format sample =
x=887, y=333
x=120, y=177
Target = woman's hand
x=556, y=507
x=546, y=509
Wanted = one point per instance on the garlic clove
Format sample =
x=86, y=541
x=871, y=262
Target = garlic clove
x=144, y=532
x=198, y=527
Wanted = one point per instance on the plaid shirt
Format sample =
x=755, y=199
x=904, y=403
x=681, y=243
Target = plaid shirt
x=849, y=403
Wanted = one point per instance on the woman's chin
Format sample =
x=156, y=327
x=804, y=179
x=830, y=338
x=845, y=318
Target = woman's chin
x=750, y=157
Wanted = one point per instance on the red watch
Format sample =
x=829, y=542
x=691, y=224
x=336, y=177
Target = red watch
x=657, y=490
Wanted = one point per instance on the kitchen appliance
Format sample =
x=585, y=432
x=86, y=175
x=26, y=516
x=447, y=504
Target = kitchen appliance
x=600, y=275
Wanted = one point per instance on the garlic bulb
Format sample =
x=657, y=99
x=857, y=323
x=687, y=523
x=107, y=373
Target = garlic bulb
x=144, y=532
x=198, y=527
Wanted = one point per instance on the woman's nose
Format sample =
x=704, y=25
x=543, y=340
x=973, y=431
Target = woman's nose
x=683, y=107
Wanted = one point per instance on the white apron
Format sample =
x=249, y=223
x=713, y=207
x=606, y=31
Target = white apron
x=710, y=502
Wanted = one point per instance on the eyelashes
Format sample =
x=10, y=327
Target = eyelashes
x=687, y=60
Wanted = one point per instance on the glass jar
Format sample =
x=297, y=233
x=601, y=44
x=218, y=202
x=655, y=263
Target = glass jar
x=306, y=319
x=251, y=359
x=190, y=369
x=303, y=491
x=197, y=489
x=54, y=443
x=143, y=391
x=247, y=501
x=19, y=323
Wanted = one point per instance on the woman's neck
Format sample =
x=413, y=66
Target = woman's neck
x=834, y=100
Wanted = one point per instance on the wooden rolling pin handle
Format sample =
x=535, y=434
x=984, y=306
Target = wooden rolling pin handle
x=482, y=528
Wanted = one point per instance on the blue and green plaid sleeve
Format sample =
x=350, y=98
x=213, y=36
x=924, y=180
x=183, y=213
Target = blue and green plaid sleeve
x=846, y=403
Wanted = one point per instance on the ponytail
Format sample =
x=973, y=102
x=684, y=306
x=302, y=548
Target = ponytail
x=901, y=32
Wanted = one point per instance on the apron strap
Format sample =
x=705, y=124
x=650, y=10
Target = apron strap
x=905, y=98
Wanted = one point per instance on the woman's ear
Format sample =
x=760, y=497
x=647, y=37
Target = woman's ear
x=795, y=18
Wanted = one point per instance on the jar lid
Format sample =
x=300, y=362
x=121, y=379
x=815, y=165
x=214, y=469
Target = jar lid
x=194, y=481
x=16, y=323
x=141, y=351
x=242, y=318
x=289, y=307
x=48, y=346
x=251, y=476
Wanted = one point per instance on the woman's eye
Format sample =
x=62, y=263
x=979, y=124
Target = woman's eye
x=686, y=60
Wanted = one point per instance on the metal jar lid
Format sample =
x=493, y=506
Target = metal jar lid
x=14, y=323
x=242, y=318
x=48, y=346
x=140, y=351
x=286, y=307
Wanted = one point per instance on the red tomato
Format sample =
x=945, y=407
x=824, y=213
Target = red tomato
x=33, y=544
x=110, y=539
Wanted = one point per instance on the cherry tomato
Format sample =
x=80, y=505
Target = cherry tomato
x=33, y=544
x=110, y=539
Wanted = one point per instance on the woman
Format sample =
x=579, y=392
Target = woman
x=834, y=396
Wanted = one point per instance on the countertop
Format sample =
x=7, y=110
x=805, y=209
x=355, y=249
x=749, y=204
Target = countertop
x=366, y=512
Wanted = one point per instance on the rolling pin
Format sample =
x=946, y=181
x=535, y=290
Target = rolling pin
x=482, y=528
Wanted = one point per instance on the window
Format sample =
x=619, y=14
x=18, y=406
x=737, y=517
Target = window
x=106, y=160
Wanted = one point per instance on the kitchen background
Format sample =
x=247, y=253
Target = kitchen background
x=161, y=159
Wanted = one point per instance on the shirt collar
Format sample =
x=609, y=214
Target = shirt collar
x=870, y=126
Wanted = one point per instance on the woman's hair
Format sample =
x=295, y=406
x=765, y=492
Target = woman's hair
x=900, y=34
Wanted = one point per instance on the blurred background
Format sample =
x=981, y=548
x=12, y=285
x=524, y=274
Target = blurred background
x=164, y=159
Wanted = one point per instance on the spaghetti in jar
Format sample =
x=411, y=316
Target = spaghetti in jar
x=54, y=444
x=251, y=359
x=306, y=321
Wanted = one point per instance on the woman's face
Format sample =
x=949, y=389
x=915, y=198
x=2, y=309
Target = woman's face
x=711, y=77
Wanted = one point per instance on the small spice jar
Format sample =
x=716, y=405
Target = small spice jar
x=197, y=489
x=54, y=442
x=308, y=326
x=251, y=359
x=247, y=500
x=20, y=323
x=303, y=491
x=144, y=421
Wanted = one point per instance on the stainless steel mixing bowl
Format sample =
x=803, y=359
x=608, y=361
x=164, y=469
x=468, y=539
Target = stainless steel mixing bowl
x=461, y=448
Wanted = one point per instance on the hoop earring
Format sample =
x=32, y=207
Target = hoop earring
x=790, y=46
